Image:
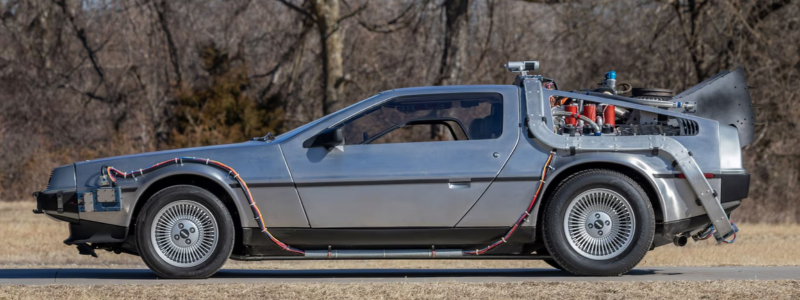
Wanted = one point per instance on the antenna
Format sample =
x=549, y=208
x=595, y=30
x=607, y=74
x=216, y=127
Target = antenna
x=522, y=66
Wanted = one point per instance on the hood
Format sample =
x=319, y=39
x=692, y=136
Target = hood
x=173, y=153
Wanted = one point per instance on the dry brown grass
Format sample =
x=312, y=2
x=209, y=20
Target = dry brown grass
x=745, y=289
x=29, y=240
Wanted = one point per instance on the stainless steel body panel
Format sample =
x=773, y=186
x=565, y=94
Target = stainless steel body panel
x=428, y=184
x=260, y=165
x=646, y=165
x=510, y=193
x=679, y=194
x=729, y=139
x=502, y=204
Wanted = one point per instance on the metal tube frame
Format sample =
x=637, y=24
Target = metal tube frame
x=540, y=122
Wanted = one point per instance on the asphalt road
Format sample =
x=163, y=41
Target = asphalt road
x=143, y=276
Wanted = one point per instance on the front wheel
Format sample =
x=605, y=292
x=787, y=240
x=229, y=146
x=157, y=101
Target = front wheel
x=598, y=222
x=184, y=232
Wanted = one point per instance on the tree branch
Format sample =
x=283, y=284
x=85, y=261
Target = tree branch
x=296, y=8
x=398, y=20
x=161, y=8
x=80, y=33
x=763, y=9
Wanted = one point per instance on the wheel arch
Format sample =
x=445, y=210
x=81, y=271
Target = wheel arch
x=637, y=174
x=222, y=190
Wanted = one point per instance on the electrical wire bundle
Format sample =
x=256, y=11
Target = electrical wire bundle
x=111, y=171
x=709, y=231
x=524, y=215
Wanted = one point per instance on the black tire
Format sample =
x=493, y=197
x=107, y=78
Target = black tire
x=191, y=195
x=628, y=256
x=552, y=263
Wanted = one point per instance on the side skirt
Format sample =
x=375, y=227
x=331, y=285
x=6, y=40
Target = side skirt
x=257, y=243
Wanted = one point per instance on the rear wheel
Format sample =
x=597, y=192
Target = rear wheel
x=552, y=263
x=598, y=222
x=184, y=232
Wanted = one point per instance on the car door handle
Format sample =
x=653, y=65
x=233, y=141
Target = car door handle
x=459, y=183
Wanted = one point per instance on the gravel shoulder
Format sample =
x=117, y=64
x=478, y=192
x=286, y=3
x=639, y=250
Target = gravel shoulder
x=738, y=289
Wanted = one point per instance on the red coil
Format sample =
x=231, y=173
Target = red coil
x=590, y=111
x=608, y=115
x=572, y=108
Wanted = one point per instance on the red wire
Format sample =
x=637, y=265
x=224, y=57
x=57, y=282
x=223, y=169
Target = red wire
x=522, y=218
x=256, y=211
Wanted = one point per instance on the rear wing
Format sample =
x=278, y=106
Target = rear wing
x=725, y=98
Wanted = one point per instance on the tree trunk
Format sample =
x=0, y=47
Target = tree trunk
x=162, y=10
x=455, y=42
x=326, y=13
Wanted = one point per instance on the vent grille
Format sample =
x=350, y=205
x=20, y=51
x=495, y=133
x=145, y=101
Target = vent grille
x=688, y=127
x=50, y=180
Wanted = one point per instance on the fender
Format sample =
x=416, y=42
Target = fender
x=636, y=163
x=133, y=189
x=208, y=172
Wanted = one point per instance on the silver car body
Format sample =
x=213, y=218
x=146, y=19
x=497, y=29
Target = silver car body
x=453, y=184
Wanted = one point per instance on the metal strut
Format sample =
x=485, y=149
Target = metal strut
x=539, y=117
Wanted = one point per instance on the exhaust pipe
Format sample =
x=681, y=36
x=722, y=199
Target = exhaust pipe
x=680, y=240
x=371, y=254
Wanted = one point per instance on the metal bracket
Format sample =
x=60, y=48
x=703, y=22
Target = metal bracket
x=537, y=109
x=101, y=199
x=60, y=202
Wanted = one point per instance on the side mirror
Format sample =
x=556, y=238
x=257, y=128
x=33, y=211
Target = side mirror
x=328, y=138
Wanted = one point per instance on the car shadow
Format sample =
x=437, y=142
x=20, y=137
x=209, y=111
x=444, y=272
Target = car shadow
x=144, y=274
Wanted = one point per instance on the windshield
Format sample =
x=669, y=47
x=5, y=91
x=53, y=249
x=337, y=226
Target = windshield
x=302, y=128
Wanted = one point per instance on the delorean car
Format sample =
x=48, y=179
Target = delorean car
x=587, y=180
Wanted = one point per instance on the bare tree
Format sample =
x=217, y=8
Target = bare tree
x=455, y=42
x=327, y=17
x=81, y=79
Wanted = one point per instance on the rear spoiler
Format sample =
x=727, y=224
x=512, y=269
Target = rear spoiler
x=725, y=98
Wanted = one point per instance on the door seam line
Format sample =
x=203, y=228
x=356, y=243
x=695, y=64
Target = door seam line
x=493, y=179
x=294, y=184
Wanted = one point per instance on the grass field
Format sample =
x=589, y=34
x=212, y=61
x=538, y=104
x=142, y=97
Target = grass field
x=30, y=240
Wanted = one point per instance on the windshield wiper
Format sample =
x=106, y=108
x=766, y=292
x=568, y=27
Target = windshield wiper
x=266, y=138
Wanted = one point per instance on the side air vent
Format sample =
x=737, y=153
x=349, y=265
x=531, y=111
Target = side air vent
x=688, y=127
x=50, y=179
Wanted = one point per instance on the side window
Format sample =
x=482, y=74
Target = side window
x=427, y=118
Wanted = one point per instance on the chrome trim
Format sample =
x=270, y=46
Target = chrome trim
x=599, y=224
x=184, y=233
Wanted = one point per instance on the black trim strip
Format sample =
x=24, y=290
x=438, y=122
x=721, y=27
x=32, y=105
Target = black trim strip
x=382, y=182
x=263, y=184
x=522, y=178
x=383, y=238
x=129, y=189
x=396, y=181
x=667, y=175
x=734, y=187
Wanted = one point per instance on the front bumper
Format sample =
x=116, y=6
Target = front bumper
x=61, y=205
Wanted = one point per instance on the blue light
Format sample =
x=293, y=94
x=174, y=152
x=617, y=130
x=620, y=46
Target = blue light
x=611, y=75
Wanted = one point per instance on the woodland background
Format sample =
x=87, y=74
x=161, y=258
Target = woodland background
x=81, y=79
